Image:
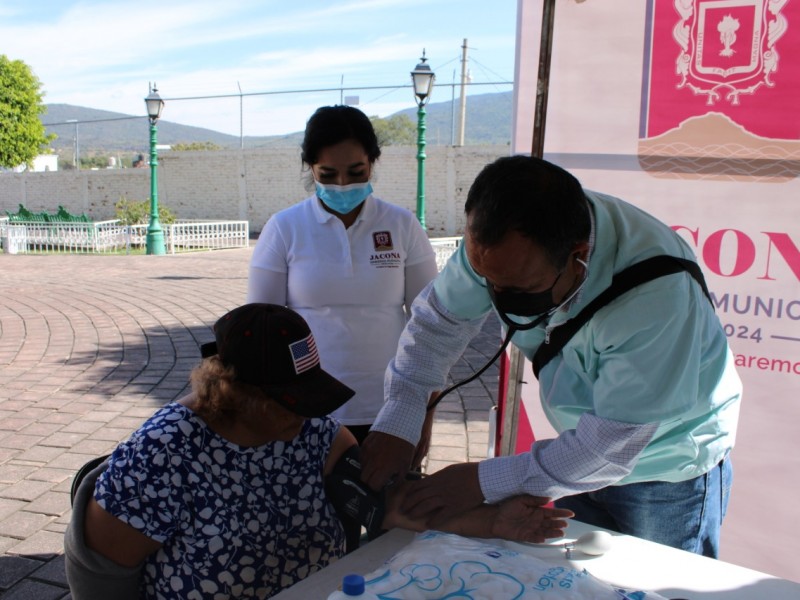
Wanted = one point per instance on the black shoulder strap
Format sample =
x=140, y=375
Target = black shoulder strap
x=625, y=280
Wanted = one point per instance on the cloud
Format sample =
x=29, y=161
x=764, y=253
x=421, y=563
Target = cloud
x=103, y=54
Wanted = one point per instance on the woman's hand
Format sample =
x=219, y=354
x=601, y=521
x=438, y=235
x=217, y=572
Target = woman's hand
x=526, y=519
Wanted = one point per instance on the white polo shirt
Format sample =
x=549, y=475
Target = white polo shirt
x=350, y=286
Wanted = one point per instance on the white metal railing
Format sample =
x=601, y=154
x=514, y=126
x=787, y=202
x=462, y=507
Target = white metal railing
x=70, y=237
x=444, y=249
x=207, y=235
x=110, y=236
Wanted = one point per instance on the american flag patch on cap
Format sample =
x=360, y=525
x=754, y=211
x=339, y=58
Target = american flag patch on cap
x=304, y=354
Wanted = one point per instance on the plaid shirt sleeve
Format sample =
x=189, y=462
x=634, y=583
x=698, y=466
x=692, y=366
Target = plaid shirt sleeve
x=597, y=453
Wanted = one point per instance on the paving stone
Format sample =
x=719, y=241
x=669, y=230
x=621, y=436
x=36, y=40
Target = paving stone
x=35, y=590
x=87, y=427
x=62, y=440
x=22, y=524
x=20, y=442
x=57, y=527
x=5, y=544
x=25, y=490
x=448, y=453
x=15, y=423
x=13, y=473
x=478, y=415
x=440, y=427
x=51, y=475
x=45, y=544
x=61, y=417
x=15, y=568
x=52, y=572
x=52, y=503
x=41, y=429
x=473, y=425
x=478, y=451
x=39, y=454
x=15, y=405
x=8, y=507
x=95, y=447
x=87, y=409
x=70, y=461
x=449, y=417
x=450, y=439
x=475, y=402
x=65, y=485
x=129, y=423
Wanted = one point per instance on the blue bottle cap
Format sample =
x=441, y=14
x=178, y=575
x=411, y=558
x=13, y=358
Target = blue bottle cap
x=353, y=585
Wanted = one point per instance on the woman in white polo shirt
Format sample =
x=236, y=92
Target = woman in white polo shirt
x=348, y=262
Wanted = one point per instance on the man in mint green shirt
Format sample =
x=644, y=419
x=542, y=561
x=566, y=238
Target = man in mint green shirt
x=644, y=396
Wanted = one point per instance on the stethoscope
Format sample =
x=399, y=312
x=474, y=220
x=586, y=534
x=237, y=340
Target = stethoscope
x=513, y=327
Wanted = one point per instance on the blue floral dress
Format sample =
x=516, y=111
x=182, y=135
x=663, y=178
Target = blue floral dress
x=234, y=522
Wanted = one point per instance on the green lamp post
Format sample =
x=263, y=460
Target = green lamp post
x=423, y=78
x=155, y=236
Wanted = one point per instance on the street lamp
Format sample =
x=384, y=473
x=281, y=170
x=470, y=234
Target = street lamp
x=155, y=236
x=423, y=78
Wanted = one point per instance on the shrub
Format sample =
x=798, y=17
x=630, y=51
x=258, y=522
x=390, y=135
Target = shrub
x=137, y=212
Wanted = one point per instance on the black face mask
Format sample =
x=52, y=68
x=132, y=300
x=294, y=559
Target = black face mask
x=524, y=304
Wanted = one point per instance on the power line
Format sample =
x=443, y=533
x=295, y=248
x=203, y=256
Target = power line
x=73, y=121
x=309, y=91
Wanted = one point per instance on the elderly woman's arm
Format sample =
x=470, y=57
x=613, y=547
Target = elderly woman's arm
x=519, y=518
x=95, y=572
x=114, y=539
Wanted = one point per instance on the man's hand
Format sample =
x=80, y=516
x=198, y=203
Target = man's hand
x=384, y=458
x=421, y=451
x=526, y=519
x=444, y=494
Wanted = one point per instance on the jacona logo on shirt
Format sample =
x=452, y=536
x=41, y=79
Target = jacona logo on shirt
x=384, y=257
x=382, y=241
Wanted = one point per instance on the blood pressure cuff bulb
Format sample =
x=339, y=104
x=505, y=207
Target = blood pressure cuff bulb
x=352, y=497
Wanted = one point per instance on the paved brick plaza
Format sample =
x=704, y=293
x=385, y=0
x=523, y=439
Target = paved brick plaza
x=90, y=346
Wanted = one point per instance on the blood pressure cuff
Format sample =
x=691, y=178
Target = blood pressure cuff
x=352, y=497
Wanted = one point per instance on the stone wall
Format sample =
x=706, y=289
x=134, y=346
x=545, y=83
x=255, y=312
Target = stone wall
x=251, y=184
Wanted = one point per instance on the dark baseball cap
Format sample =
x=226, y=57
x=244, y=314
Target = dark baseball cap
x=271, y=347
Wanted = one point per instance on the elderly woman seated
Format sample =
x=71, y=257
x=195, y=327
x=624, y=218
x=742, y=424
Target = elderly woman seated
x=238, y=490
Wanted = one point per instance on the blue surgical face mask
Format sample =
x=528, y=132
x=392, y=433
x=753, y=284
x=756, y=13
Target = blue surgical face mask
x=343, y=198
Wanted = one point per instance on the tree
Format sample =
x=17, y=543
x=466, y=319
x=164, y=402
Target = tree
x=398, y=130
x=22, y=135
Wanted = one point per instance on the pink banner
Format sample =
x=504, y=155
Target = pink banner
x=732, y=57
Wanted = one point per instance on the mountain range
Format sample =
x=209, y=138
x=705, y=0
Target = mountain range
x=488, y=121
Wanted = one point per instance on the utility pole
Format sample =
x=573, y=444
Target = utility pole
x=76, y=154
x=453, y=110
x=463, y=108
x=241, y=118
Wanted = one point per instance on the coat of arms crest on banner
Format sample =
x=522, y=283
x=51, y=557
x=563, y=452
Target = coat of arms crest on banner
x=727, y=47
x=720, y=89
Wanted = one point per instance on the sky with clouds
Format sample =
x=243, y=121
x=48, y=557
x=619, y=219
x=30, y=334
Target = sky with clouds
x=103, y=55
